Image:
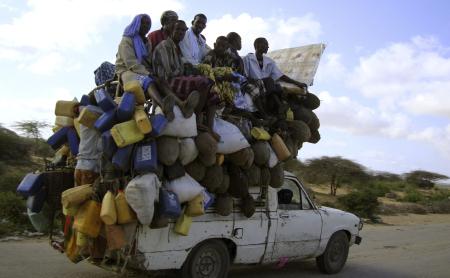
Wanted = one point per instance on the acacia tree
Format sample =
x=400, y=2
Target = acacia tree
x=334, y=170
x=32, y=129
x=423, y=179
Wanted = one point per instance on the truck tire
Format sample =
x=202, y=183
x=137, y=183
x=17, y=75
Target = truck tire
x=335, y=255
x=207, y=260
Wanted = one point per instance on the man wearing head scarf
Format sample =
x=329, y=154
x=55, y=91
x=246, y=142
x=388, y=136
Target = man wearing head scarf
x=133, y=62
x=194, y=46
x=168, y=19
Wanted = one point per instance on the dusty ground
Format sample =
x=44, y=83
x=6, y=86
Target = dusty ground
x=407, y=246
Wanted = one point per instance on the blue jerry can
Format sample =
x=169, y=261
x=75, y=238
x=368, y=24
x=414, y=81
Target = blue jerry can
x=125, y=111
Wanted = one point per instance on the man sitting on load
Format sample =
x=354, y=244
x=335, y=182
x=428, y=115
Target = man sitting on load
x=259, y=67
x=168, y=19
x=193, y=46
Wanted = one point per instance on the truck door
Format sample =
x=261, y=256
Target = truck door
x=299, y=223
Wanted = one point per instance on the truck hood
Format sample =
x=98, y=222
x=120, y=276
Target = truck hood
x=332, y=215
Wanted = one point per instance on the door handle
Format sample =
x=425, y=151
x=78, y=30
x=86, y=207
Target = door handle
x=284, y=215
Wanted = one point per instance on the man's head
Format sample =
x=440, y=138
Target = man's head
x=146, y=23
x=168, y=19
x=234, y=40
x=261, y=46
x=179, y=29
x=199, y=23
x=221, y=45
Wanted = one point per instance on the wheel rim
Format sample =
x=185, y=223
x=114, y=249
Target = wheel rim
x=207, y=264
x=336, y=253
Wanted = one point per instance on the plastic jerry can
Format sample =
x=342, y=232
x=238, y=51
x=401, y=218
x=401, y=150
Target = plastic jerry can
x=158, y=122
x=122, y=158
x=135, y=88
x=280, y=148
x=73, y=140
x=66, y=108
x=115, y=237
x=70, y=211
x=125, y=214
x=109, y=147
x=58, y=138
x=289, y=115
x=142, y=120
x=126, y=133
x=168, y=204
x=125, y=110
x=89, y=115
x=85, y=100
x=63, y=121
x=40, y=221
x=196, y=206
x=82, y=239
x=145, y=157
x=183, y=225
x=104, y=100
x=108, y=212
x=260, y=133
x=30, y=184
x=76, y=125
x=106, y=121
x=88, y=219
x=208, y=199
x=71, y=249
x=36, y=202
x=74, y=196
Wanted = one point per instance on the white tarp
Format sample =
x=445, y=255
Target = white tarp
x=299, y=63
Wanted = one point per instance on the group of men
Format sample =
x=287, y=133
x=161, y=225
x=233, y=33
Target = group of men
x=167, y=64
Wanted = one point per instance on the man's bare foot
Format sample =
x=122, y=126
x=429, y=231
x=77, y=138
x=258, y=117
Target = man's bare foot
x=190, y=104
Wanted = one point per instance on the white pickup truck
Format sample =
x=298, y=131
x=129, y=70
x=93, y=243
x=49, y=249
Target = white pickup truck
x=277, y=231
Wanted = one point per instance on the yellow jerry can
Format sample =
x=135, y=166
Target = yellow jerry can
x=135, y=88
x=183, y=225
x=280, y=148
x=66, y=108
x=260, y=134
x=76, y=195
x=142, y=121
x=108, y=212
x=125, y=214
x=87, y=219
x=289, y=115
x=126, y=133
x=196, y=206
x=82, y=239
x=88, y=117
x=63, y=121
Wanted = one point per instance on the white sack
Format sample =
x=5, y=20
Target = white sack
x=180, y=126
x=141, y=194
x=185, y=187
x=231, y=138
x=273, y=159
x=188, y=151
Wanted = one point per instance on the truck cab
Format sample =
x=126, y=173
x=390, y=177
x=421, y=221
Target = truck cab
x=286, y=225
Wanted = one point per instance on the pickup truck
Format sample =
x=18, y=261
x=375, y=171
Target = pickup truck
x=279, y=230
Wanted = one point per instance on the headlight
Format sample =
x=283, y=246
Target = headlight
x=361, y=224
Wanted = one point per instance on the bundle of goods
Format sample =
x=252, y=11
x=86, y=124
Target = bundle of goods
x=134, y=166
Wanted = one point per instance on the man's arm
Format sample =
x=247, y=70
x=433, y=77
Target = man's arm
x=287, y=79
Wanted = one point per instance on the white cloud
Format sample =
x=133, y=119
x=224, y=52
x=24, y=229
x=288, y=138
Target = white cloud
x=331, y=67
x=413, y=75
x=281, y=33
x=438, y=137
x=50, y=28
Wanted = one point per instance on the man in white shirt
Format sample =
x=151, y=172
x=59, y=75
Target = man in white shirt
x=257, y=68
x=193, y=46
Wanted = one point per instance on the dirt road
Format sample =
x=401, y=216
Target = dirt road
x=415, y=250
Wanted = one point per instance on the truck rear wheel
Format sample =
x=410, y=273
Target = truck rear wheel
x=335, y=255
x=207, y=260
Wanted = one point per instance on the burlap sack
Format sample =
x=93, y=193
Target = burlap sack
x=261, y=150
x=207, y=159
x=277, y=176
x=225, y=184
x=292, y=145
x=302, y=113
x=299, y=130
x=254, y=175
x=188, y=151
x=159, y=221
x=196, y=170
x=315, y=137
x=265, y=176
x=250, y=159
x=174, y=171
x=224, y=204
x=311, y=101
x=248, y=206
x=238, y=182
x=207, y=148
x=314, y=124
x=243, y=158
x=168, y=149
x=213, y=178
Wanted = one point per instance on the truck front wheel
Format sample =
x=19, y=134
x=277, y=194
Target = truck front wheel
x=335, y=255
x=207, y=260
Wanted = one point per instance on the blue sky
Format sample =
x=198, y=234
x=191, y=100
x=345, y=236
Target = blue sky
x=384, y=79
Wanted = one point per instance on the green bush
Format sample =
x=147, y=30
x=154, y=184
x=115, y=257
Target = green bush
x=363, y=203
x=413, y=196
x=11, y=179
x=13, y=209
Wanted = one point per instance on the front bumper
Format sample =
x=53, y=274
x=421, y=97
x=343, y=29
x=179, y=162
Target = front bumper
x=358, y=240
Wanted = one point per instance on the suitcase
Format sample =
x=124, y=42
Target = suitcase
x=36, y=202
x=158, y=122
x=106, y=121
x=31, y=184
x=108, y=145
x=58, y=138
x=104, y=100
x=142, y=120
x=145, y=157
x=168, y=204
x=66, y=108
x=73, y=140
x=126, y=133
x=89, y=115
x=122, y=158
x=125, y=110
